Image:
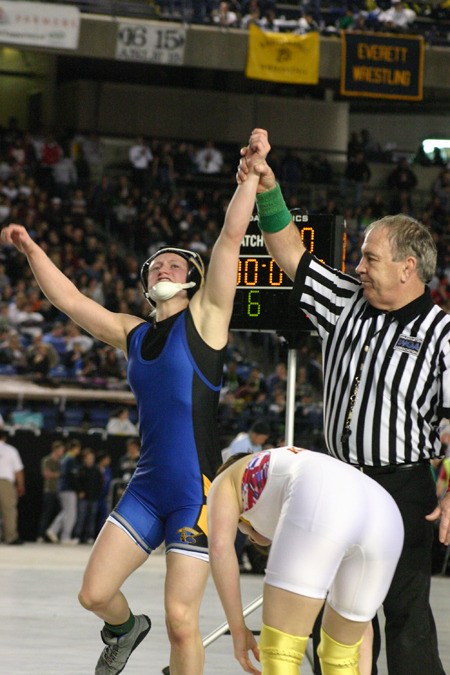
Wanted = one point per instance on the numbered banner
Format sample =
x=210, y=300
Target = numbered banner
x=152, y=44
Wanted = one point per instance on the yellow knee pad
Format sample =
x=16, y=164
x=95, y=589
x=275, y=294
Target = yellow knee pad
x=336, y=658
x=280, y=653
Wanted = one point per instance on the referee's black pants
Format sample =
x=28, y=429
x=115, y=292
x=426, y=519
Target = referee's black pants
x=411, y=639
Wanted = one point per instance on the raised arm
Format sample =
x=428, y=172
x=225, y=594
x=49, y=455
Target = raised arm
x=223, y=516
x=281, y=236
x=212, y=306
x=62, y=293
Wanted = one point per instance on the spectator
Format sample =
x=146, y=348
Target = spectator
x=90, y=485
x=93, y=149
x=401, y=181
x=12, y=487
x=101, y=201
x=141, y=158
x=68, y=487
x=164, y=170
x=251, y=441
x=370, y=147
x=129, y=460
x=354, y=145
x=252, y=15
x=441, y=188
x=357, y=174
x=397, y=18
x=56, y=337
x=438, y=157
x=127, y=465
x=346, y=22
x=209, y=160
x=22, y=316
x=278, y=378
x=320, y=170
x=223, y=16
x=41, y=358
x=254, y=385
x=307, y=24
x=119, y=424
x=50, y=471
x=65, y=176
x=402, y=177
x=183, y=161
x=76, y=337
x=270, y=22
x=112, y=365
x=51, y=153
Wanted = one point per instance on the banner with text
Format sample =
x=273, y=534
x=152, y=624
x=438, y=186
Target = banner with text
x=283, y=57
x=141, y=42
x=39, y=24
x=379, y=65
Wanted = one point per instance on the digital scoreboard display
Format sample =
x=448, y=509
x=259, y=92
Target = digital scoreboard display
x=263, y=289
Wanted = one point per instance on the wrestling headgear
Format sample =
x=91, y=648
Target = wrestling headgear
x=167, y=289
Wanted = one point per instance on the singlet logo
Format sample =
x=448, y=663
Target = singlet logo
x=187, y=535
x=408, y=344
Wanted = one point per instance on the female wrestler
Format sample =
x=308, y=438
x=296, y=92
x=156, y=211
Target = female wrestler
x=174, y=369
x=304, y=503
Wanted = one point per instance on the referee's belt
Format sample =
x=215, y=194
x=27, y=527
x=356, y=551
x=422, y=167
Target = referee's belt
x=390, y=468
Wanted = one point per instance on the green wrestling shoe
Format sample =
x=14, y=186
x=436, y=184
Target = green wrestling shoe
x=115, y=655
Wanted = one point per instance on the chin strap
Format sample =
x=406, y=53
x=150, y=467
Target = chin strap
x=164, y=290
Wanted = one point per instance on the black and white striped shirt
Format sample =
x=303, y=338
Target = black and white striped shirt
x=403, y=361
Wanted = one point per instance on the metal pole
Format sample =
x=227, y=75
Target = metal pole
x=248, y=609
x=290, y=396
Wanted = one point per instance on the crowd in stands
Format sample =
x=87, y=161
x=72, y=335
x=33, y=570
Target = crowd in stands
x=98, y=225
x=397, y=16
x=98, y=228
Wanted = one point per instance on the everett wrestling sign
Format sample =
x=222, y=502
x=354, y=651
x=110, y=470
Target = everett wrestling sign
x=380, y=65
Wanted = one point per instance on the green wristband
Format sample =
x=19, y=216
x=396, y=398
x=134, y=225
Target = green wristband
x=273, y=214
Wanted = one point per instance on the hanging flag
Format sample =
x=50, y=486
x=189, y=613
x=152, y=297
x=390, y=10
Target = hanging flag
x=283, y=57
x=381, y=65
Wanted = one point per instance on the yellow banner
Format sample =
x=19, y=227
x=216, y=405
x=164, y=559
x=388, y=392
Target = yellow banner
x=283, y=57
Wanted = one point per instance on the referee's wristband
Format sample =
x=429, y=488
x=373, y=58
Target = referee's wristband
x=273, y=214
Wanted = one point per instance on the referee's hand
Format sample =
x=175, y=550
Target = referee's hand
x=442, y=511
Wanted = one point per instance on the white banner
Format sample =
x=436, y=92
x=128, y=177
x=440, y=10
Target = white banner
x=153, y=44
x=40, y=24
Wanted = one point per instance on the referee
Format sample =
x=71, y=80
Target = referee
x=386, y=368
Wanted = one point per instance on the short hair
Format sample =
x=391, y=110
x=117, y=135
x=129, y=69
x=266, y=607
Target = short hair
x=58, y=444
x=409, y=237
x=260, y=427
x=74, y=443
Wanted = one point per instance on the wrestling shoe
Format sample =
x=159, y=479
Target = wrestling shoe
x=118, y=650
